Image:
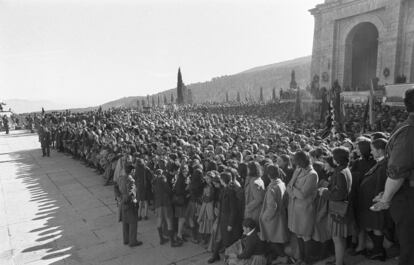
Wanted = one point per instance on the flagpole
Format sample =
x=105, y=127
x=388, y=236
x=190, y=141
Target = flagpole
x=371, y=100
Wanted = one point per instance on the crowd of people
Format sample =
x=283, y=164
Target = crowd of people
x=259, y=190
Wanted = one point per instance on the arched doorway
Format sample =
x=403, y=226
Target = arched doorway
x=361, y=56
x=412, y=67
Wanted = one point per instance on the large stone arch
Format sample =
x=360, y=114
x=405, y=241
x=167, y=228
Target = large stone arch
x=345, y=41
x=410, y=44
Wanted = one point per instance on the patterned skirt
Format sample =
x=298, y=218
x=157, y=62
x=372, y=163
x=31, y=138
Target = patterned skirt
x=206, y=218
x=339, y=228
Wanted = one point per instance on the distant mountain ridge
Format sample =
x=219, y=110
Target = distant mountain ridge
x=289, y=63
x=247, y=83
x=26, y=106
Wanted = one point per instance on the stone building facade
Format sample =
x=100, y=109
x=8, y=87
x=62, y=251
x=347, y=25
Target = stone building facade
x=357, y=40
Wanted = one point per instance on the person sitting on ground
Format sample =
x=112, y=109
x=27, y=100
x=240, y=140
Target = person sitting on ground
x=250, y=249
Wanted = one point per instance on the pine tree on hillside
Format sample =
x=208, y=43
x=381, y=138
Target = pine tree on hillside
x=153, y=101
x=274, y=94
x=261, y=95
x=148, y=100
x=159, y=101
x=238, y=96
x=180, y=88
x=138, y=104
x=172, y=98
x=189, y=96
x=227, y=96
x=165, y=99
x=293, y=84
x=143, y=102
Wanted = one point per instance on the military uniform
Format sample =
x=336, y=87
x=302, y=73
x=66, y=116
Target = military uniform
x=400, y=153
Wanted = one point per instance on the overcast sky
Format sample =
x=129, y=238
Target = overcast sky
x=88, y=52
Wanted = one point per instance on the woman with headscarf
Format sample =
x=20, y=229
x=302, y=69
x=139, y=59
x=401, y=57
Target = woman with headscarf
x=273, y=215
x=254, y=191
x=206, y=216
x=338, y=193
x=302, y=190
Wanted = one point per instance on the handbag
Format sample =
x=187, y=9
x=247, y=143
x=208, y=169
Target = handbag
x=178, y=200
x=338, y=208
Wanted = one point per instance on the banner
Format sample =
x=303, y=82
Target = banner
x=394, y=94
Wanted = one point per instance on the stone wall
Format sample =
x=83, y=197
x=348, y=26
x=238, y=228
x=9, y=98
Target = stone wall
x=334, y=24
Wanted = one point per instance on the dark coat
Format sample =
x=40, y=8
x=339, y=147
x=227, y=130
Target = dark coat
x=339, y=190
x=196, y=186
x=180, y=191
x=162, y=192
x=251, y=245
x=288, y=174
x=371, y=186
x=143, y=178
x=359, y=168
x=318, y=166
x=46, y=138
x=229, y=216
x=127, y=191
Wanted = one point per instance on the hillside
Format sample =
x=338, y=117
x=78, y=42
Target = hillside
x=26, y=106
x=248, y=83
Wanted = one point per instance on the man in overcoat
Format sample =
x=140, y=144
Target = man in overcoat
x=126, y=190
x=399, y=187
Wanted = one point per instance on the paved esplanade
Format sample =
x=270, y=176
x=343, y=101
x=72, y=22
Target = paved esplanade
x=57, y=211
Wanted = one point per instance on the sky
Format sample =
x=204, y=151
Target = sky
x=83, y=53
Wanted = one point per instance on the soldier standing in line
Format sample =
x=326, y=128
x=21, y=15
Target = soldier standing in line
x=45, y=140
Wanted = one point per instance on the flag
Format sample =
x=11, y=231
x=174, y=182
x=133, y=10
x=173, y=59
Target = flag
x=298, y=106
x=371, y=104
x=330, y=121
x=364, y=122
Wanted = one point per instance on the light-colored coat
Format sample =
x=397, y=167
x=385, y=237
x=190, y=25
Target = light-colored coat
x=254, y=194
x=273, y=217
x=302, y=190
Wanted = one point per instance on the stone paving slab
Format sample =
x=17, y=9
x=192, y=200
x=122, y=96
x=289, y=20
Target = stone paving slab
x=57, y=211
